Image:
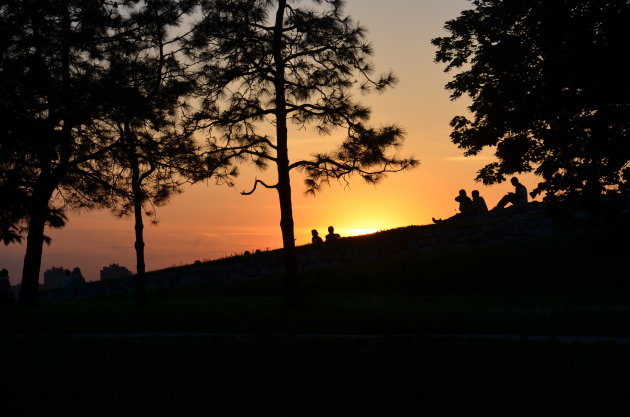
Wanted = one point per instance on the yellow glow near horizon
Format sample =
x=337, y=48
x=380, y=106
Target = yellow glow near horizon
x=357, y=232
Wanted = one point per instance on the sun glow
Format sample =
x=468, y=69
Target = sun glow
x=356, y=232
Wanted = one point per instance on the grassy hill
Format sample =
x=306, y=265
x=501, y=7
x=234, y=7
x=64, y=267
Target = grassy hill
x=375, y=337
x=569, y=283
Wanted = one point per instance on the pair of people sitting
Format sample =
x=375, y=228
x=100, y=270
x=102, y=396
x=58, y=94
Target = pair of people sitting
x=477, y=205
x=330, y=237
x=467, y=207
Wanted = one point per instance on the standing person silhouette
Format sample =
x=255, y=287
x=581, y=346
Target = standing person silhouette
x=517, y=198
x=332, y=236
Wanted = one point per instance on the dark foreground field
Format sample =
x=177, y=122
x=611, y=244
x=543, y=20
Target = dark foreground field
x=295, y=376
x=402, y=336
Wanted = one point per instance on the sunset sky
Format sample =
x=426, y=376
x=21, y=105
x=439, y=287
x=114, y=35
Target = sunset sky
x=209, y=221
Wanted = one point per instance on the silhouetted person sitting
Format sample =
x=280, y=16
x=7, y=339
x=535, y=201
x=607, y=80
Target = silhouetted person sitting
x=316, y=239
x=517, y=198
x=466, y=208
x=479, y=203
x=332, y=236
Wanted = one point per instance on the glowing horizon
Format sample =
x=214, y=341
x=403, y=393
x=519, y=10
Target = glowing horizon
x=358, y=232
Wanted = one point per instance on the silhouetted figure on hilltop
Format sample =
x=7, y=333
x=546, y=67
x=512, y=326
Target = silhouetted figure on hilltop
x=316, y=239
x=466, y=208
x=332, y=236
x=517, y=198
x=479, y=203
x=6, y=293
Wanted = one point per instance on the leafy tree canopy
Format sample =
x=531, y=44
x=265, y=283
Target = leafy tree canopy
x=549, y=90
x=263, y=61
x=50, y=61
x=51, y=65
x=147, y=84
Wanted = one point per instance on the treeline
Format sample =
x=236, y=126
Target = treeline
x=117, y=104
x=549, y=91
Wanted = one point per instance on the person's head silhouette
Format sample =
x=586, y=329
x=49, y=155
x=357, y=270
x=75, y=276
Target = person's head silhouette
x=514, y=181
x=475, y=194
x=462, y=197
x=331, y=234
x=315, y=239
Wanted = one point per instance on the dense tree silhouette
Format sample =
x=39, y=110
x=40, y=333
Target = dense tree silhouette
x=281, y=62
x=14, y=209
x=49, y=66
x=549, y=90
x=146, y=82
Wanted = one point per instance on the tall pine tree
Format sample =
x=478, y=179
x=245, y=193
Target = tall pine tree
x=50, y=64
x=147, y=84
x=291, y=62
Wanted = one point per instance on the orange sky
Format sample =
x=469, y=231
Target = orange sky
x=206, y=222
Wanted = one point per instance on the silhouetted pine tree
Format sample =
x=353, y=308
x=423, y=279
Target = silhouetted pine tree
x=146, y=84
x=50, y=65
x=285, y=62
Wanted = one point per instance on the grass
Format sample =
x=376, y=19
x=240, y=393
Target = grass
x=551, y=286
x=258, y=360
x=289, y=376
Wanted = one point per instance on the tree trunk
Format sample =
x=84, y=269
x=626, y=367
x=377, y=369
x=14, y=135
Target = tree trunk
x=292, y=293
x=139, y=243
x=48, y=179
x=34, y=247
x=138, y=198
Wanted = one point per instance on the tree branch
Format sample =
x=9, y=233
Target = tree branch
x=256, y=185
